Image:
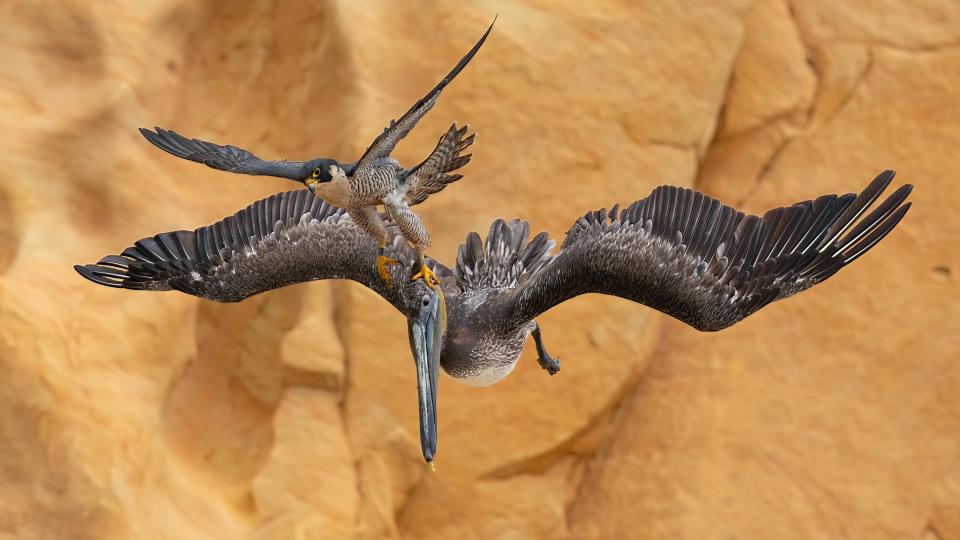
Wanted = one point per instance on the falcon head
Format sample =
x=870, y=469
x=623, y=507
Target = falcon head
x=321, y=171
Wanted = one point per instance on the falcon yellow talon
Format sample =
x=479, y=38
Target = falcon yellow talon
x=427, y=275
x=382, y=262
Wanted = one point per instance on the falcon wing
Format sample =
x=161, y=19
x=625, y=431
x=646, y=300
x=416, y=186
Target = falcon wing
x=398, y=129
x=434, y=173
x=704, y=263
x=225, y=158
x=287, y=238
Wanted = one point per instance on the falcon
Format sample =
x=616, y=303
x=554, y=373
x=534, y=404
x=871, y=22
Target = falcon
x=358, y=187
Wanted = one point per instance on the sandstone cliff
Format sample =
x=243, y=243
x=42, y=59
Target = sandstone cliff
x=834, y=414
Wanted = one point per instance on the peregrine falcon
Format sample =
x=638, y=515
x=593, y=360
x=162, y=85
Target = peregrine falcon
x=677, y=250
x=374, y=179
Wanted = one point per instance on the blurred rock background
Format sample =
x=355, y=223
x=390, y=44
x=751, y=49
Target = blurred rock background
x=124, y=415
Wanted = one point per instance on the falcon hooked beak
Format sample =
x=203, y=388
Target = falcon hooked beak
x=426, y=330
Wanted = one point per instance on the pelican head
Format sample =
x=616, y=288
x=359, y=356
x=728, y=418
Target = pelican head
x=427, y=322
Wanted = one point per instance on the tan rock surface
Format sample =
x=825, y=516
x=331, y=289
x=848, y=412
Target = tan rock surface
x=834, y=414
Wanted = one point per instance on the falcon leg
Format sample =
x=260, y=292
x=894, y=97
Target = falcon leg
x=547, y=362
x=383, y=263
x=413, y=230
x=425, y=273
x=368, y=220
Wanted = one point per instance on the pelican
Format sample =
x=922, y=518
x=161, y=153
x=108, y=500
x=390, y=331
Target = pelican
x=677, y=250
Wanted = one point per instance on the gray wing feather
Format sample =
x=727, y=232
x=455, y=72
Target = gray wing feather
x=225, y=158
x=704, y=263
x=287, y=238
x=433, y=174
x=398, y=129
x=507, y=259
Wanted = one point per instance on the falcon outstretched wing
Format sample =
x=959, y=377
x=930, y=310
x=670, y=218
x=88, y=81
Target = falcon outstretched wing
x=398, y=129
x=225, y=158
x=702, y=262
x=287, y=238
x=434, y=173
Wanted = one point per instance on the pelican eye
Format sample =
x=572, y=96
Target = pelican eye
x=426, y=301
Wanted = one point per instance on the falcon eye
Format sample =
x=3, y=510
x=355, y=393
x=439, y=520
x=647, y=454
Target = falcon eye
x=316, y=173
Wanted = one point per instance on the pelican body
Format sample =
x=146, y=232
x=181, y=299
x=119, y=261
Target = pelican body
x=677, y=251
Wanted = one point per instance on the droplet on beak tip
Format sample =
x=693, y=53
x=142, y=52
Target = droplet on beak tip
x=432, y=466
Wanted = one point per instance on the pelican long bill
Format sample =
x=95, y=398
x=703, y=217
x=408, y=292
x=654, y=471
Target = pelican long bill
x=426, y=331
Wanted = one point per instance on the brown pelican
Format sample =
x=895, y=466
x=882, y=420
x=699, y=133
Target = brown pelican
x=677, y=251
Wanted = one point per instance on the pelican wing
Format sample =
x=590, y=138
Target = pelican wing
x=704, y=263
x=225, y=158
x=287, y=238
x=398, y=129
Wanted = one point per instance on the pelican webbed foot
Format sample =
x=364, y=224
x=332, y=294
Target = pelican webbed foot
x=547, y=362
x=382, y=267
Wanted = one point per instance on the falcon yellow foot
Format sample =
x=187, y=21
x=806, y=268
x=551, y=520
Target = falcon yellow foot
x=382, y=262
x=427, y=275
